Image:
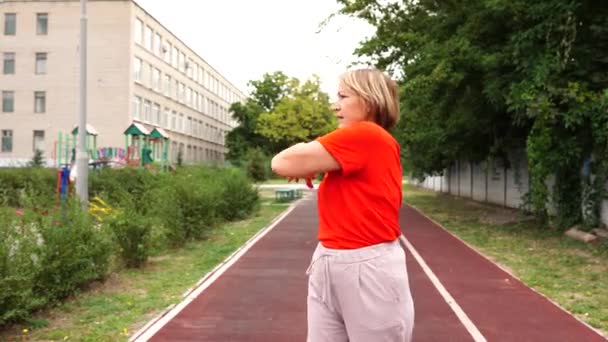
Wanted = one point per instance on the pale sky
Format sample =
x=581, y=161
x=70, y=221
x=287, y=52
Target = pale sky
x=243, y=39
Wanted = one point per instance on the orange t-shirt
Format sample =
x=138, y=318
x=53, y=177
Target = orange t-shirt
x=359, y=204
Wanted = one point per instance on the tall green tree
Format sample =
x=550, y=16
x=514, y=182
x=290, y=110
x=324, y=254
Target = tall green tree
x=265, y=94
x=279, y=112
x=481, y=77
x=300, y=116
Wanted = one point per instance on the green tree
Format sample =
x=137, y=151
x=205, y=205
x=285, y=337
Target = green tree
x=243, y=137
x=279, y=112
x=37, y=159
x=302, y=115
x=257, y=165
x=268, y=91
x=480, y=77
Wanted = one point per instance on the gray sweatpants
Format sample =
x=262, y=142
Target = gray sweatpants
x=359, y=295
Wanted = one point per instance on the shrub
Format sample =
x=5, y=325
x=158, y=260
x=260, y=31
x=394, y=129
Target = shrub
x=37, y=185
x=47, y=255
x=257, y=165
x=128, y=184
x=73, y=251
x=132, y=232
x=190, y=199
x=19, y=265
x=44, y=258
x=238, y=198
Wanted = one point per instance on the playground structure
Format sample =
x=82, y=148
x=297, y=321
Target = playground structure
x=142, y=149
x=65, y=147
x=160, y=147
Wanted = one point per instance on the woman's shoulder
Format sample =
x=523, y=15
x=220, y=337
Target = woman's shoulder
x=372, y=131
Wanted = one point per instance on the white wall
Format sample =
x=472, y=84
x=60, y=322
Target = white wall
x=491, y=183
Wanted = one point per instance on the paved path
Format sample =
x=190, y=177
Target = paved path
x=459, y=295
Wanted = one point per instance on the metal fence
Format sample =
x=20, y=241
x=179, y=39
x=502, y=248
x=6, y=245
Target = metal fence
x=490, y=182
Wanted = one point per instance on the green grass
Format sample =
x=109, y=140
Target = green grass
x=571, y=273
x=115, y=309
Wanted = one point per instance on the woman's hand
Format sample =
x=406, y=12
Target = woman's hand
x=308, y=180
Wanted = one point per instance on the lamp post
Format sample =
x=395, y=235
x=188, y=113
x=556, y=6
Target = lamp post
x=82, y=159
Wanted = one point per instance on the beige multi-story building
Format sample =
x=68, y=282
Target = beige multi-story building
x=138, y=71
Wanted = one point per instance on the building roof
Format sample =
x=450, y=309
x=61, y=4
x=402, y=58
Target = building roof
x=137, y=129
x=90, y=130
x=159, y=133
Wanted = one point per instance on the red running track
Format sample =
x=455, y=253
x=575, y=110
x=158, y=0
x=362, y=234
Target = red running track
x=262, y=296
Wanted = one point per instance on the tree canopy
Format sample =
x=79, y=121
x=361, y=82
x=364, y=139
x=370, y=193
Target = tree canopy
x=280, y=112
x=481, y=77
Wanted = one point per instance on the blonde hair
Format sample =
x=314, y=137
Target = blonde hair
x=379, y=92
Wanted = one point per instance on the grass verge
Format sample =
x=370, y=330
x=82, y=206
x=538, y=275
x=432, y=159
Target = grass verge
x=571, y=273
x=115, y=309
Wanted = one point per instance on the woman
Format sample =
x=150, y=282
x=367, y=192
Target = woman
x=358, y=288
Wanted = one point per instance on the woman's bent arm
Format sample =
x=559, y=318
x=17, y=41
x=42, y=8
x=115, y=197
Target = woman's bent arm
x=303, y=159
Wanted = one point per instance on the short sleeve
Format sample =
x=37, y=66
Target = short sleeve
x=350, y=146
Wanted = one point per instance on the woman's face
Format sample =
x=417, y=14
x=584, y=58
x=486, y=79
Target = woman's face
x=350, y=107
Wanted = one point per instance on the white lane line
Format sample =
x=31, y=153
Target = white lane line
x=462, y=316
x=150, y=329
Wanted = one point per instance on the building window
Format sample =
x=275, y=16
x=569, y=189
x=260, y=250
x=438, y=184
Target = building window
x=157, y=47
x=10, y=24
x=7, y=140
x=189, y=68
x=147, y=105
x=139, y=27
x=167, y=85
x=201, y=76
x=156, y=114
x=146, y=74
x=155, y=79
x=168, y=51
x=42, y=24
x=189, y=96
x=148, y=38
x=165, y=121
x=9, y=63
x=182, y=62
x=174, y=121
x=8, y=101
x=174, y=57
x=38, y=143
x=39, y=102
x=41, y=63
x=137, y=69
x=136, y=110
x=182, y=93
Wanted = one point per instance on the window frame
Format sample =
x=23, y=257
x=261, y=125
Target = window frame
x=39, y=108
x=5, y=60
x=41, y=142
x=4, y=101
x=39, y=31
x=3, y=138
x=41, y=63
x=6, y=30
